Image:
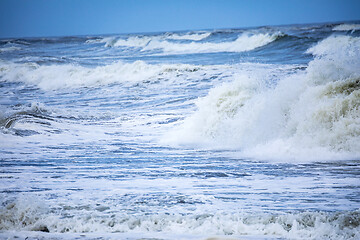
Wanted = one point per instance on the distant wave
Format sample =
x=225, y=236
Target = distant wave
x=309, y=114
x=9, y=46
x=130, y=42
x=51, y=77
x=193, y=36
x=244, y=42
x=141, y=41
x=9, y=49
x=347, y=27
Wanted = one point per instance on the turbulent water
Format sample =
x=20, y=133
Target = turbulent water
x=234, y=133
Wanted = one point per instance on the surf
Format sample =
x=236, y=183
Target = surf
x=314, y=112
x=244, y=42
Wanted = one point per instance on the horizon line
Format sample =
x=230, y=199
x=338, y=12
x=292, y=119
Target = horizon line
x=174, y=31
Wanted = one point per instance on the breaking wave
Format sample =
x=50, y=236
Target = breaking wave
x=35, y=110
x=142, y=41
x=28, y=215
x=311, y=114
x=51, y=77
x=27, y=120
x=193, y=36
x=244, y=42
x=9, y=49
x=138, y=41
x=347, y=27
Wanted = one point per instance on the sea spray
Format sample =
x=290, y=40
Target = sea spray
x=227, y=133
x=312, y=110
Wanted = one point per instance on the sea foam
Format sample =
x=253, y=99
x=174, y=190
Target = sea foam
x=190, y=36
x=244, y=42
x=311, y=114
x=9, y=49
x=26, y=214
x=347, y=27
x=52, y=77
x=142, y=41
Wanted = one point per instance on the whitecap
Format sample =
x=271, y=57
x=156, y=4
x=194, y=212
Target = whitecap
x=193, y=36
x=52, y=77
x=244, y=42
x=310, y=115
x=9, y=49
x=347, y=27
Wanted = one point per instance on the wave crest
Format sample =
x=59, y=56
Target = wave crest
x=347, y=27
x=244, y=42
x=52, y=77
x=192, y=36
x=311, y=114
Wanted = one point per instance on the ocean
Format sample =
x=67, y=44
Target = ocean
x=249, y=133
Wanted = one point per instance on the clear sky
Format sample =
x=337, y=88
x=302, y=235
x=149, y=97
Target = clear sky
x=32, y=18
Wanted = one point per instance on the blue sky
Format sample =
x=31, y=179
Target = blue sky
x=32, y=18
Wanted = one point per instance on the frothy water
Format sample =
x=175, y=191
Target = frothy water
x=72, y=76
x=315, y=111
x=347, y=27
x=222, y=134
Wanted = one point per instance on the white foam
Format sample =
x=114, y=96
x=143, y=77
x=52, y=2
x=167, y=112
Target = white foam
x=72, y=76
x=193, y=36
x=245, y=42
x=9, y=48
x=347, y=27
x=112, y=41
x=138, y=41
x=25, y=214
x=309, y=115
x=142, y=41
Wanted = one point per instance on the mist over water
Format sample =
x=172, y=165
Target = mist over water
x=242, y=133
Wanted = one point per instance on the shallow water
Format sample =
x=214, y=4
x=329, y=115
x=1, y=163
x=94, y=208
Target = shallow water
x=239, y=133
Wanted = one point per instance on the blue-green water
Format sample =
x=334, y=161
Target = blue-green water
x=242, y=133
